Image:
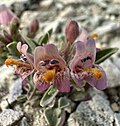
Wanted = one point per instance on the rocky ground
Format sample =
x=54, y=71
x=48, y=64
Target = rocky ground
x=98, y=16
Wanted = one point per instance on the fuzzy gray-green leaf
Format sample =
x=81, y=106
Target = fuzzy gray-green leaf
x=48, y=96
x=63, y=102
x=52, y=116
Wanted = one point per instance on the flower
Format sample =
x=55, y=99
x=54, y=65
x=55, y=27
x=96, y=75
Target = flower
x=6, y=15
x=51, y=69
x=24, y=66
x=82, y=65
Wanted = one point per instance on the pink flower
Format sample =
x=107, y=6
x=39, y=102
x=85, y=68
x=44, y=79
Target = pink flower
x=6, y=15
x=24, y=66
x=82, y=65
x=51, y=69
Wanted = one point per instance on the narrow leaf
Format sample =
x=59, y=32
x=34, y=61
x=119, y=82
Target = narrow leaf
x=105, y=54
x=21, y=98
x=44, y=39
x=30, y=42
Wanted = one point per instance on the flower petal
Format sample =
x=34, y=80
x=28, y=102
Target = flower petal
x=23, y=73
x=23, y=50
x=40, y=85
x=78, y=81
x=52, y=52
x=63, y=82
x=83, y=36
x=19, y=45
x=39, y=55
x=80, y=49
x=48, y=52
x=85, y=54
x=100, y=83
x=91, y=48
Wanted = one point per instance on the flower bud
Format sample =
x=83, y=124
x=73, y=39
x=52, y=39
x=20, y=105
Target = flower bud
x=71, y=31
x=14, y=25
x=6, y=15
x=33, y=28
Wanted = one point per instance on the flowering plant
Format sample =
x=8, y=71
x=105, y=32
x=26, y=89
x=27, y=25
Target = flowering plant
x=59, y=75
x=10, y=32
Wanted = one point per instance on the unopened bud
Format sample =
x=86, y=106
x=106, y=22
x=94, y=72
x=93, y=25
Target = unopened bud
x=14, y=25
x=33, y=28
x=6, y=15
x=71, y=31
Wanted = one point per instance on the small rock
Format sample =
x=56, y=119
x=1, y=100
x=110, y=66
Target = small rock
x=24, y=122
x=4, y=104
x=92, y=113
x=112, y=72
x=9, y=117
x=6, y=79
x=46, y=3
x=15, y=90
x=8, y=3
x=117, y=119
x=107, y=28
x=115, y=107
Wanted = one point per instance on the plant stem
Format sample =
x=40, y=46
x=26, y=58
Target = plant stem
x=33, y=92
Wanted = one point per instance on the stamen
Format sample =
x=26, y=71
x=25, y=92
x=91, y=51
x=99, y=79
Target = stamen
x=95, y=71
x=10, y=61
x=93, y=36
x=49, y=75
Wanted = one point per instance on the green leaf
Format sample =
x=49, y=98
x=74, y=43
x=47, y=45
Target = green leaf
x=2, y=39
x=52, y=116
x=48, y=96
x=44, y=39
x=63, y=102
x=29, y=41
x=21, y=98
x=105, y=54
x=12, y=49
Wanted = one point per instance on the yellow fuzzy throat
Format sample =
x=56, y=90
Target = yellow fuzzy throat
x=49, y=75
x=94, y=71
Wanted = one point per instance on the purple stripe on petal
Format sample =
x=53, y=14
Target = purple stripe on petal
x=77, y=80
x=42, y=86
x=63, y=82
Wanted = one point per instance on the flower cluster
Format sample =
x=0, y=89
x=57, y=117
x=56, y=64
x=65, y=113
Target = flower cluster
x=49, y=67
